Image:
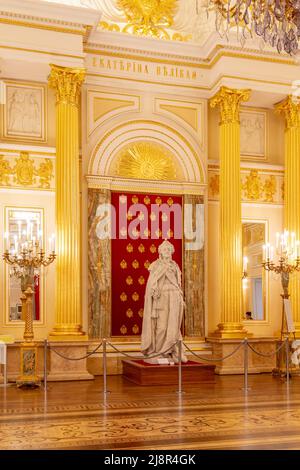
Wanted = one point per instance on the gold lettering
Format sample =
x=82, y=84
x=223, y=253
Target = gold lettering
x=128, y=66
x=181, y=73
x=108, y=65
x=157, y=70
x=188, y=74
x=122, y=65
x=146, y=69
x=102, y=64
x=165, y=71
x=194, y=75
x=94, y=61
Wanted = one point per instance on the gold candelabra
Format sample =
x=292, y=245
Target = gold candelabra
x=25, y=259
x=288, y=252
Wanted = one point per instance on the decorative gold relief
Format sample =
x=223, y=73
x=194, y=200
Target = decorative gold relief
x=45, y=172
x=158, y=201
x=147, y=200
x=229, y=101
x=135, y=264
x=129, y=313
x=214, y=185
x=270, y=188
x=129, y=248
x=260, y=185
x=135, y=329
x=291, y=112
x=141, y=248
x=153, y=248
x=141, y=280
x=141, y=312
x=170, y=201
x=282, y=190
x=123, y=330
x=148, y=17
x=123, y=297
x=123, y=264
x=174, y=37
x=135, y=199
x=253, y=186
x=67, y=83
x=145, y=160
x=5, y=171
x=24, y=170
x=129, y=280
x=135, y=296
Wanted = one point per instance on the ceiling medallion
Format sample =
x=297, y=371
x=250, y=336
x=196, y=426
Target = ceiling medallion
x=276, y=22
x=148, y=17
x=145, y=160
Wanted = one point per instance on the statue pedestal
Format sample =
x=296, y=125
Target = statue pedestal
x=143, y=373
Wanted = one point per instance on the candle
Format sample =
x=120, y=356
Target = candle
x=277, y=240
x=19, y=229
x=6, y=238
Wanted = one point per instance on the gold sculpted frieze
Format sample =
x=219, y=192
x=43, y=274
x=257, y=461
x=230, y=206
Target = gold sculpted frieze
x=24, y=171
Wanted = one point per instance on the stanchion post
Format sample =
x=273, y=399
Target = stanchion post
x=105, y=391
x=246, y=365
x=45, y=363
x=179, y=391
x=287, y=360
x=5, y=366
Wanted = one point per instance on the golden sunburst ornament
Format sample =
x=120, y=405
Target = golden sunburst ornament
x=148, y=17
x=146, y=160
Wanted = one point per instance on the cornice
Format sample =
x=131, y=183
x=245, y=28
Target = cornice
x=50, y=16
x=200, y=61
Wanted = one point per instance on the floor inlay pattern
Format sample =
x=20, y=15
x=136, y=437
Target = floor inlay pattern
x=216, y=416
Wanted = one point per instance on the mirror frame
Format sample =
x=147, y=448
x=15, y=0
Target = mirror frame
x=265, y=276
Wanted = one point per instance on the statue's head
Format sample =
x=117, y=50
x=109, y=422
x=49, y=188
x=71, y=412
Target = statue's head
x=166, y=250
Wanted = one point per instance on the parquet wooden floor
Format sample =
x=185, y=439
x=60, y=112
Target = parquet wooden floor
x=76, y=415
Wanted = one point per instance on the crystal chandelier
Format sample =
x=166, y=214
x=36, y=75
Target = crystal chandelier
x=276, y=22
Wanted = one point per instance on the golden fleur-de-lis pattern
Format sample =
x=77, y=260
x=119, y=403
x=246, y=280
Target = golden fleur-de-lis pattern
x=132, y=257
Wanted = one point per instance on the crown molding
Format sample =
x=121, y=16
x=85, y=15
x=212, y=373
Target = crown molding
x=46, y=13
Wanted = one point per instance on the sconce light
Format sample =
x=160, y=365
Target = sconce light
x=245, y=273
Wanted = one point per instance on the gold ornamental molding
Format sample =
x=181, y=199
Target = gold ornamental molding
x=27, y=173
x=148, y=17
x=145, y=160
x=290, y=111
x=229, y=101
x=67, y=83
x=257, y=185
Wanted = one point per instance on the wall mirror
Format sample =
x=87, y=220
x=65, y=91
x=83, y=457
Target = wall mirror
x=254, y=285
x=21, y=225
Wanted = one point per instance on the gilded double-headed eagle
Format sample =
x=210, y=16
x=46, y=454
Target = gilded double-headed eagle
x=149, y=12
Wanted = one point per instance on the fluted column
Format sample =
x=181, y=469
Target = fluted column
x=228, y=100
x=68, y=316
x=291, y=112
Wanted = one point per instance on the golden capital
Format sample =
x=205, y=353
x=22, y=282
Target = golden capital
x=290, y=110
x=229, y=100
x=67, y=83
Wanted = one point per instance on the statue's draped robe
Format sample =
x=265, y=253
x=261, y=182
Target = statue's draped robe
x=163, y=309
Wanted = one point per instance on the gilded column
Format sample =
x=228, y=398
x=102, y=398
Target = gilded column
x=291, y=113
x=68, y=316
x=229, y=100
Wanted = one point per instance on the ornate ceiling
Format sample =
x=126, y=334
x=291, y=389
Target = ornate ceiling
x=181, y=20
